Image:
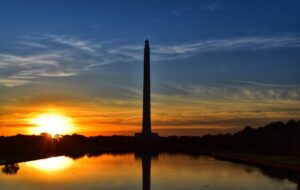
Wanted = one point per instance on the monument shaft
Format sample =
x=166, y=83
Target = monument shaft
x=146, y=92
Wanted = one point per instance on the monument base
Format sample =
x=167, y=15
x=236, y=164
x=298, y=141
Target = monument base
x=146, y=137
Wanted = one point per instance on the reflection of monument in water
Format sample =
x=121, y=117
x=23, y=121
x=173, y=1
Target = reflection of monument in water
x=146, y=167
x=146, y=127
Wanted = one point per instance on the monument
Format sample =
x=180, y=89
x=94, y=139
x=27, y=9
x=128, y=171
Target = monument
x=146, y=126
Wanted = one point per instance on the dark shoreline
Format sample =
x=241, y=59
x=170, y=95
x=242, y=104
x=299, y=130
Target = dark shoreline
x=255, y=160
x=278, y=170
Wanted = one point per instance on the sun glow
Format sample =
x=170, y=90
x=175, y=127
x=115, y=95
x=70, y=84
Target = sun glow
x=52, y=124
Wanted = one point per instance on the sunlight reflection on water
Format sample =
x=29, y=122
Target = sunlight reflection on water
x=51, y=164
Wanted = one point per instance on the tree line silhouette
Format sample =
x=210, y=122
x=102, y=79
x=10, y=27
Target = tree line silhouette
x=276, y=138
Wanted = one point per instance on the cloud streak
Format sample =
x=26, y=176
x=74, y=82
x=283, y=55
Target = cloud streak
x=236, y=92
x=63, y=56
x=22, y=69
x=72, y=42
x=242, y=43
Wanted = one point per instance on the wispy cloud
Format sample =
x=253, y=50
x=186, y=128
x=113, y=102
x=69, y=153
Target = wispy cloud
x=132, y=52
x=251, y=83
x=22, y=69
x=241, y=43
x=13, y=82
x=236, y=92
x=84, y=45
x=32, y=44
x=63, y=56
x=49, y=56
x=163, y=52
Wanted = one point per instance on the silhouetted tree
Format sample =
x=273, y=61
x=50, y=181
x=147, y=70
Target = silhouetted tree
x=11, y=169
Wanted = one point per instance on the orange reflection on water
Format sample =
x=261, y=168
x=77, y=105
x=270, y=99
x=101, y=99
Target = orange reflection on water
x=51, y=164
x=125, y=171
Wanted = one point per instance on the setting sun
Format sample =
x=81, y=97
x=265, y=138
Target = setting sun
x=52, y=124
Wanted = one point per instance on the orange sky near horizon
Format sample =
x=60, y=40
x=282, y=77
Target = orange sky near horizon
x=170, y=116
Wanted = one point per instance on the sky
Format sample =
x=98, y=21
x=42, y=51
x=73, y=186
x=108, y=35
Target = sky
x=216, y=66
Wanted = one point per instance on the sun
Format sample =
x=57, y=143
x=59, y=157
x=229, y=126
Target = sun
x=52, y=124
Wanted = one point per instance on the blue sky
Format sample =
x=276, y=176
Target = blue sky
x=159, y=20
x=210, y=60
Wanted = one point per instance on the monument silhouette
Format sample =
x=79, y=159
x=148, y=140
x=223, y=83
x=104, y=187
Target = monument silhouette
x=146, y=92
x=146, y=126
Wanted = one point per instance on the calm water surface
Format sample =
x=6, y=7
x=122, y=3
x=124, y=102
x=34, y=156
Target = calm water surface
x=129, y=171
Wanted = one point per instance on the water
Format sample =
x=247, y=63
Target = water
x=129, y=171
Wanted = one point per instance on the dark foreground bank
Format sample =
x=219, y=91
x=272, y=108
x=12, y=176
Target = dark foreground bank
x=274, y=145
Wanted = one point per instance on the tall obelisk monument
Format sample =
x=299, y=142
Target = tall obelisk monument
x=146, y=131
x=146, y=134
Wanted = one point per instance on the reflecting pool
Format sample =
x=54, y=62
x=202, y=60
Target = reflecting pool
x=132, y=171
